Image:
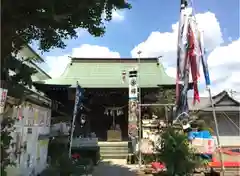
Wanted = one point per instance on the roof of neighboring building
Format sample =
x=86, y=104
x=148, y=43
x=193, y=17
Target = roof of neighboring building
x=107, y=73
x=27, y=52
x=38, y=56
x=222, y=102
x=41, y=74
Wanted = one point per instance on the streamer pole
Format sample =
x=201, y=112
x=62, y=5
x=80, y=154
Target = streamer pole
x=139, y=113
x=217, y=131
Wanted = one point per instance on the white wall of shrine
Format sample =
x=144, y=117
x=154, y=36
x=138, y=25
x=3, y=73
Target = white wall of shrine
x=33, y=121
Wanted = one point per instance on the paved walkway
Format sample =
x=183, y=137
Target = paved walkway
x=120, y=168
x=114, y=168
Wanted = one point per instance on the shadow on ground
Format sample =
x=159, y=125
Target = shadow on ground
x=108, y=168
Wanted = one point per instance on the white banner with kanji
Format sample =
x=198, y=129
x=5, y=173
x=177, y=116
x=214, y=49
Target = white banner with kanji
x=203, y=145
x=3, y=98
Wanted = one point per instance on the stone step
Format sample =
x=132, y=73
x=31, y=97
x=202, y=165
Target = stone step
x=114, y=156
x=113, y=144
x=116, y=151
x=113, y=150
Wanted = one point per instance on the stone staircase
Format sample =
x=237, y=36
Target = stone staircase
x=113, y=150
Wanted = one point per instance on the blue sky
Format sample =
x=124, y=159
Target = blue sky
x=145, y=17
x=219, y=18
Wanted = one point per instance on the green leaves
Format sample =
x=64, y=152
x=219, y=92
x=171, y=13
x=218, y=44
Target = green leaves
x=6, y=141
x=164, y=96
x=17, y=75
x=175, y=152
x=50, y=22
x=71, y=167
x=23, y=72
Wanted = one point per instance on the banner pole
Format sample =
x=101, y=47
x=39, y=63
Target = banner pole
x=75, y=110
x=71, y=136
x=217, y=130
x=139, y=113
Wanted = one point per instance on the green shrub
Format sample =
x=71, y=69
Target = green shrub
x=66, y=167
x=176, y=153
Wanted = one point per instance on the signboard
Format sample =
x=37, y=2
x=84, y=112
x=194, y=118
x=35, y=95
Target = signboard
x=133, y=106
x=147, y=146
x=3, y=98
x=133, y=88
x=202, y=145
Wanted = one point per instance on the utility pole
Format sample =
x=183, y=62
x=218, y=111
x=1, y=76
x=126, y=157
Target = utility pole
x=139, y=113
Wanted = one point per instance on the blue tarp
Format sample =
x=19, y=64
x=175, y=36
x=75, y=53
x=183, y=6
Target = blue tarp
x=205, y=156
x=199, y=134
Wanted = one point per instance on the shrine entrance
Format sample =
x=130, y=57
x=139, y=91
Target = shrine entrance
x=108, y=113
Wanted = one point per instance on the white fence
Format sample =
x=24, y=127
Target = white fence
x=229, y=140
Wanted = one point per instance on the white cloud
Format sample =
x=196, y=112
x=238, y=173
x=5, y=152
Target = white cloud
x=224, y=61
x=223, y=55
x=81, y=32
x=94, y=51
x=57, y=64
x=165, y=43
x=225, y=67
x=118, y=16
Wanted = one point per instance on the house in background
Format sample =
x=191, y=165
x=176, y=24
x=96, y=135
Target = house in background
x=33, y=121
x=28, y=52
x=228, y=117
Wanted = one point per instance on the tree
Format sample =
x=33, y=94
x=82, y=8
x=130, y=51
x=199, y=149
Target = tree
x=49, y=23
x=176, y=153
x=52, y=21
x=201, y=125
x=164, y=96
x=16, y=84
x=6, y=141
x=58, y=154
x=20, y=78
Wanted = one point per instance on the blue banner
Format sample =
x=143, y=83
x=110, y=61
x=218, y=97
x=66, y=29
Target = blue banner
x=205, y=71
x=78, y=98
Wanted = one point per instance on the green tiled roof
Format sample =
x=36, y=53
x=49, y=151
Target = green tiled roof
x=107, y=73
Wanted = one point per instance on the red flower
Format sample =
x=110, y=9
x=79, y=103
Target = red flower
x=75, y=156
